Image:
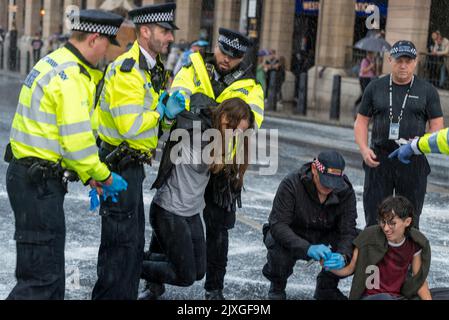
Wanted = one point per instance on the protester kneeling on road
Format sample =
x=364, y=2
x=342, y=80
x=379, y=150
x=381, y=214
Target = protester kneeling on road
x=175, y=211
x=383, y=255
x=313, y=217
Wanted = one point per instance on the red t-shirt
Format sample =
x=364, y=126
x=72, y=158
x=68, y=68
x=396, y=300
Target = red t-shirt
x=393, y=268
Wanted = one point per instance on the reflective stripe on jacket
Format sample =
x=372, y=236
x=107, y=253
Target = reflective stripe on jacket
x=53, y=117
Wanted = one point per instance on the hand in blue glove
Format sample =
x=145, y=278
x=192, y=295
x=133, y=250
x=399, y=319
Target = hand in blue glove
x=161, y=106
x=94, y=200
x=114, y=196
x=403, y=153
x=118, y=185
x=318, y=252
x=335, y=262
x=175, y=105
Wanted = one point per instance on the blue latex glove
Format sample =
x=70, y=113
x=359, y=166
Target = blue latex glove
x=114, y=196
x=94, y=200
x=335, y=262
x=403, y=153
x=175, y=105
x=118, y=184
x=161, y=106
x=319, y=251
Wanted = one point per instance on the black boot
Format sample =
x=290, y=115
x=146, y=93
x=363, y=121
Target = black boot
x=277, y=291
x=327, y=287
x=152, y=291
x=214, y=295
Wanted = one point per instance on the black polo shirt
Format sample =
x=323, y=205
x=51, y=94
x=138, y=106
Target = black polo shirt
x=423, y=104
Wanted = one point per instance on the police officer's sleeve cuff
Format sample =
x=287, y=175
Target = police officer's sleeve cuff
x=415, y=146
x=106, y=178
x=87, y=182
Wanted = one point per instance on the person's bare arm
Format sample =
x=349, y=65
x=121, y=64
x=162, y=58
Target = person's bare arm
x=436, y=124
x=361, y=126
x=423, y=292
x=350, y=268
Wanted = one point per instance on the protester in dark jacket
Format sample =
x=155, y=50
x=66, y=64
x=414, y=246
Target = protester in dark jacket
x=313, y=217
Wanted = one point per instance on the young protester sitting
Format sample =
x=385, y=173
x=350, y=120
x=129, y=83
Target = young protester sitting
x=383, y=255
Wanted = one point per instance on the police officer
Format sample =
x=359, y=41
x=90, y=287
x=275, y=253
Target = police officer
x=129, y=118
x=313, y=218
x=51, y=134
x=401, y=105
x=207, y=82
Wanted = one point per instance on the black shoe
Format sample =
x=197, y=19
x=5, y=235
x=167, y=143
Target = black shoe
x=214, y=295
x=329, y=294
x=276, y=293
x=152, y=291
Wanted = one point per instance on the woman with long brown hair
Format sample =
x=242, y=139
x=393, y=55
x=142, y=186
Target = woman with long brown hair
x=177, y=204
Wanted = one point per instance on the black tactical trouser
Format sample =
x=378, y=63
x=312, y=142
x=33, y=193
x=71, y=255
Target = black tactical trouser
x=279, y=268
x=122, y=239
x=218, y=221
x=182, y=242
x=40, y=235
x=392, y=176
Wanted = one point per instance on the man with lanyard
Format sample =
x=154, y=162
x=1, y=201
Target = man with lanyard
x=205, y=83
x=51, y=143
x=401, y=105
x=129, y=118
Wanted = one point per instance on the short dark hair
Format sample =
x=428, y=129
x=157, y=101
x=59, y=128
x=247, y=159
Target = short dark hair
x=149, y=25
x=396, y=206
x=79, y=35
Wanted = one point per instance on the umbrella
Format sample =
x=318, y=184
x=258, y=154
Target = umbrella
x=373, y=44
x=110, y=5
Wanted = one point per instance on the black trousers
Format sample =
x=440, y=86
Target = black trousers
x=122, y=240
x=392, y=176
x=218, y=221
x=39, y=234
x=181, y=259
x=279, y=268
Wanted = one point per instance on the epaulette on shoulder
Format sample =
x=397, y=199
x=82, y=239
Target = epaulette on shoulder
x=128, y=65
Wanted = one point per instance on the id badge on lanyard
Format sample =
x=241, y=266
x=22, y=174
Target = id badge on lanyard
x=394, y=131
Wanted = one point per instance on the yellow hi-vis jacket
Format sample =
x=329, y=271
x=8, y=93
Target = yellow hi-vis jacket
x=127, y=106
x=53, y=117
x=194, y=78
x=437, y=142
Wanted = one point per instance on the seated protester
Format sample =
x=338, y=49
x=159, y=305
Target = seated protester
x=175, y=211
x=393, y=247
x=313, y=217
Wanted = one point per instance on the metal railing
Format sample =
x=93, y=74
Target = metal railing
x=353, y=59
x=434, y=69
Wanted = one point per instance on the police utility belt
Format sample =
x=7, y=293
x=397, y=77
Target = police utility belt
x=40, y=170
x=123, y=155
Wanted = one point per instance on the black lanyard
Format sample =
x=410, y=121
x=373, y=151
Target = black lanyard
x=405, y=99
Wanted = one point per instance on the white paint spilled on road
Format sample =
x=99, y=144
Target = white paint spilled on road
x=81, y=253
x=3, y=194
x=258, y=194
x=431, y=211
x=78, y=196
x=241, y=249
x=294, y=286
